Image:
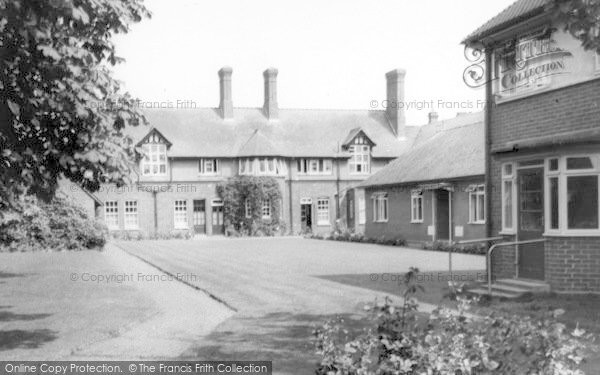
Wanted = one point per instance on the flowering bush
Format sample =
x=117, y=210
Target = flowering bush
x=56, y=225
x=448, y=342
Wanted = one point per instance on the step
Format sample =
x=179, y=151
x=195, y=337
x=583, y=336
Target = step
x=533, y=286
x=495, y=293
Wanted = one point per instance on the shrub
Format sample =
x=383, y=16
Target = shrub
x=350, y=236
x=403, y=341
x=56, y=225
x=478, y=249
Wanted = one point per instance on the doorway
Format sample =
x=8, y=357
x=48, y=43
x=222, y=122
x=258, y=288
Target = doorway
x=306, y=217
x=199, y=216
x=442, y=215
x=218, y=226
x=531, y=222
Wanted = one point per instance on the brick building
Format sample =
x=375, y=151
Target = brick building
x=543, y=148
x=317, y=156
x=435, y=191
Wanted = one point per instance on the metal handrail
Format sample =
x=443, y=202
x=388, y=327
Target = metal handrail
x=466, y=242
x=494, y=247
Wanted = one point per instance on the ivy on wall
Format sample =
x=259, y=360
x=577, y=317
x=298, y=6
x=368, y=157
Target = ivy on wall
x=236, y=191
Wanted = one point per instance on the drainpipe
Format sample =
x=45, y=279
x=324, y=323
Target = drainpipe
x=487, y=127
x=337, y=187
x=291, y=199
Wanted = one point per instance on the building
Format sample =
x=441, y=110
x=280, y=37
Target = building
x=317, y=156
x=543, y=148
x=435, y=191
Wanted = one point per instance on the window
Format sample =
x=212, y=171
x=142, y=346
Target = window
x=416, y=207
x=208, y=167
x=180, y=218
x=131, y=215
x=323, y=211
x=582, y=202
x=360, y=159
x=111, y=214
x=477, y=205
x=314, y=166
x=248, y=209
x=266, y=209
x=362, y=211
x=262, y=167
x=509, y=210
x=380, y=207
x=154, y=162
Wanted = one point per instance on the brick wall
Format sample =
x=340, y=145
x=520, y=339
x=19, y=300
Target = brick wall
x=573, y=263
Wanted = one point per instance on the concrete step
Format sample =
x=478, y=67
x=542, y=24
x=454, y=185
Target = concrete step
x=532, y=286
x=495, y=293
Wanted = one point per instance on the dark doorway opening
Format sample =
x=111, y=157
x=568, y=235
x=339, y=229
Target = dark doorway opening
x=306, y=217
x=442, y=215
x=217, y=218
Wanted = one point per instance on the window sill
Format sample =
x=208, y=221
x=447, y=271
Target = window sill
x=417, y=221
x=594, y=233
x=507, y=233
x=380, y=221
x=328, y=224
x=476, y=222
x=181, y=228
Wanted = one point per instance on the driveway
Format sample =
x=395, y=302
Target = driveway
x=277, y=289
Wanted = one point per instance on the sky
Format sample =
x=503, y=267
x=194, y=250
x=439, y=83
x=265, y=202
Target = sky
x=330, y=54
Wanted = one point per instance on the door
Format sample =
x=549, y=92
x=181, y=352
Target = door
x=217, y=218
x=350, y=209
x=306, y=217
x=531, y=222
x=199, y=216
x=442, y=215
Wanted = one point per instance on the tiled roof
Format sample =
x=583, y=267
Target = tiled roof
x=202, y=132
x=443, y=150
x=515, y=13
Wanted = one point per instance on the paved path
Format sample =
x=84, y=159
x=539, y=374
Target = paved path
x=274, y=286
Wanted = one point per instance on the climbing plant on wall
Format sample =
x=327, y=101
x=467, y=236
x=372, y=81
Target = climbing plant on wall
x=252, y=206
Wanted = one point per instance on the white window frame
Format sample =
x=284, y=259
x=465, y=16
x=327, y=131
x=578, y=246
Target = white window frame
x=474, y=209
x=563, y=174
x=247, y=209
x=380, y=207
x=130, y=216
x=416, y=211
x=360, y=155
x=512, y=179
x=323, y=215
x=209, y=167
x=362, y=210
x=322, y=167
x=262, y=167
x=111, y=210
x=180, y=219
x=265, y=209
x=155, y=155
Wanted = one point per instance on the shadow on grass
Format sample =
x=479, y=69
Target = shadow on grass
x=284, y=338
x=7, y=316
x=22, y=339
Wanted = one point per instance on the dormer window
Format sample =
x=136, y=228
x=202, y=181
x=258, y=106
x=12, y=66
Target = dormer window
x=360, y=159
x=209, y=167
x=154, y=162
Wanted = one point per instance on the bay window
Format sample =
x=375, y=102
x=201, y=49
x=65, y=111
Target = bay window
x=262, y=167
x=314, y=166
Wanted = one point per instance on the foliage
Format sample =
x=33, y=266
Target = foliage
x=138, y=235
x=479, y=248
x=55, y=225
x=581, y=19
x=351, y=236
x=448, y=342
x=61, y=111
x=236, y=191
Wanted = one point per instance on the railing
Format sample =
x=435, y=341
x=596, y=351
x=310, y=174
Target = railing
x=497, y=245
x=467, y=242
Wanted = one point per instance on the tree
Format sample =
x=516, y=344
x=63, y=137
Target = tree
x=581, y=19
x=61, y=111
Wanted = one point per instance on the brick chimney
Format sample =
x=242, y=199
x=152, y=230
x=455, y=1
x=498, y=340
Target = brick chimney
x=226, y=101
x=395, y=101
x=270, y=107
x=433, y=117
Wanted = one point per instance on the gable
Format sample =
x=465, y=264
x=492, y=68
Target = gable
x=358, y=136
x=154, y=136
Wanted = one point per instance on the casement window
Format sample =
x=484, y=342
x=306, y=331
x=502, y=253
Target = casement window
x=209, y=167
x=416, y=207
x=131, y=215
x=380, y=207
x=265, y=209
x=362, y=211
x=154, y=162
x=248, y=209
x=509, y=203
x=180, y=215
x=477, y=205
x=360, y=159
x=572, y=199
x=314, y=166
x=111, y=214
x=323, y=211
x=262, y=167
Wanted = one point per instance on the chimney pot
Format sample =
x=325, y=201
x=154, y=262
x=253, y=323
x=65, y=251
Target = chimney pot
x=226, y=101
x=395, y=101
x=433, y=117
x=271, y=108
